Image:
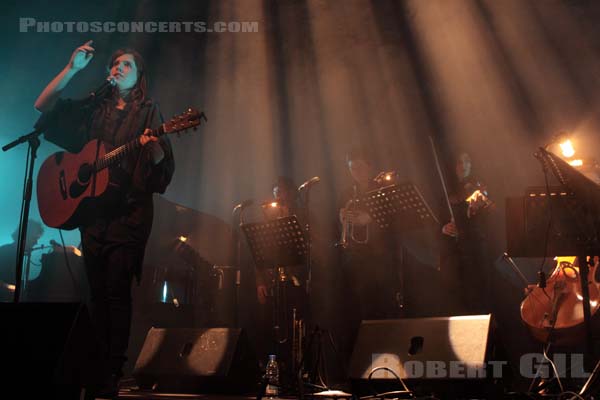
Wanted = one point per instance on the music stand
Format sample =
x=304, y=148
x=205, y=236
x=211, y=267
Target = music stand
x=403, y=200
x=577, y=197
x=585, y=211
x=528, y=218
x=276, y=243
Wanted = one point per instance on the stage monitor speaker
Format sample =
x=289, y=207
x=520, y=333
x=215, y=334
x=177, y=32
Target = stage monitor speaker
x=203, y=360
x=422, y=350
x=48, y=349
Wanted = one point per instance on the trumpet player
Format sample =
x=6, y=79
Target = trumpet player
x=368, y=255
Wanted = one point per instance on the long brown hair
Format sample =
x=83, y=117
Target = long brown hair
x=139, y=91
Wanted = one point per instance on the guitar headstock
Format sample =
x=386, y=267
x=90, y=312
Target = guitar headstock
x=189, y=119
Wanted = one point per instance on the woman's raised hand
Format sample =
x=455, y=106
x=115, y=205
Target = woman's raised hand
x=82, y=56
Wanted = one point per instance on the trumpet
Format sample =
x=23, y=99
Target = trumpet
x=273, y=209
x=348, y=224
x=385, y=178
x=298, y=336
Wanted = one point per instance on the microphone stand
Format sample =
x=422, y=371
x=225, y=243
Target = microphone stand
x=317, y=331
x=306, y=186
x=237, y=243
x=27, y=268
x=308, y=242
x=34, y=143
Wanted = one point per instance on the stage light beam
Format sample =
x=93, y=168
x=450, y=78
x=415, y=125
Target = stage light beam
x=567, y=148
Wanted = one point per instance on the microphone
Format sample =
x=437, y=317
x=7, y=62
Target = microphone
x=309, y=182
x=103, y=89
x=40, y=247
x=542, y=279
x=243, y=204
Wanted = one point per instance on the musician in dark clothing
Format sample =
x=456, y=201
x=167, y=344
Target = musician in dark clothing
x=115, y=230
x=8, y=257
x=464, y=254
x=281, y=291
x=368, y=254
x=285, y=202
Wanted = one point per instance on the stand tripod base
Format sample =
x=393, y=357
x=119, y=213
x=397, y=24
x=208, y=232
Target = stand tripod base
x=315, y=378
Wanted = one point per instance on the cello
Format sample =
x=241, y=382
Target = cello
x=555, y=313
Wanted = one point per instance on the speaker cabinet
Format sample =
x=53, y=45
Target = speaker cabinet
x=422, y=351
x=197, y=361
x=49, y=349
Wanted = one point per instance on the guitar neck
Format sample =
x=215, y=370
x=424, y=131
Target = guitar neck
x=115, y=156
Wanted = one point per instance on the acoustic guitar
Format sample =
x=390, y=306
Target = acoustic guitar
x=66, y=181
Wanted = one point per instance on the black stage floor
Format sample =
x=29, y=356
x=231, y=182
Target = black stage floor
x=453, y=391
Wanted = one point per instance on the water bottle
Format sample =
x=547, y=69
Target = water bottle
x=272, y=375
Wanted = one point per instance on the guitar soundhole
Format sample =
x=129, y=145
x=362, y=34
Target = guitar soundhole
x=76, y=189
x=84, y=174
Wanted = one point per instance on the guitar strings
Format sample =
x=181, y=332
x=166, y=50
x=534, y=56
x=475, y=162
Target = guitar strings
x=120, y=152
